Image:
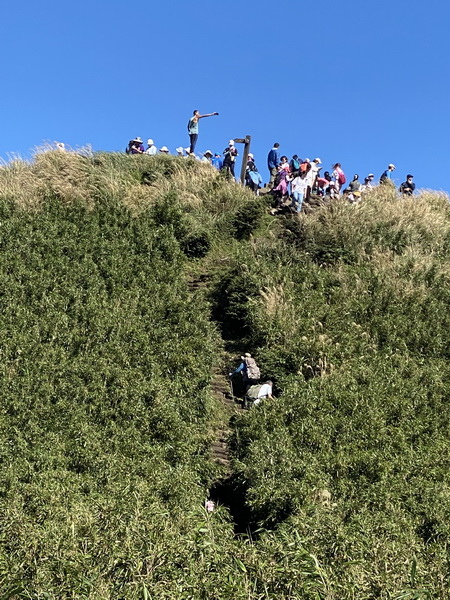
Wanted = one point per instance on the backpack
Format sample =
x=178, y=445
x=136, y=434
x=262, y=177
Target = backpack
x=253, y=391
x=252, y=369
x=341, y=178
x=294, y=164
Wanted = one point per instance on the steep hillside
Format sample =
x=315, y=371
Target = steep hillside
x=108, y=413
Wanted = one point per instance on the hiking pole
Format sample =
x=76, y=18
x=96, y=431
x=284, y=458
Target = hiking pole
x=231, y=386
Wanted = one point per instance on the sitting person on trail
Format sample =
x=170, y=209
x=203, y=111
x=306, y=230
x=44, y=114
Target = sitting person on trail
x=135, y=146
x=253, y=178
x=256, y=393
x=407, y=187
x=249, y=370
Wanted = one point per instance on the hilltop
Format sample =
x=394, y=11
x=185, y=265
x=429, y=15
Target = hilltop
x=108, y=413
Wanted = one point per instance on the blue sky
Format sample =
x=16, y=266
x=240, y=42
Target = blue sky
x=359, y=83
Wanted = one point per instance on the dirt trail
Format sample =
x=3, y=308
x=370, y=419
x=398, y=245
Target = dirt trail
x=220, y=387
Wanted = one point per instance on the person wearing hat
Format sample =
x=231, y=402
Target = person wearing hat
x=193, y=127
x=368, y=185
x=180, y=151
x=217, y=161
x=151, y=148
x=164, y=150
x=249, y=370
x=407, y=187
x=387, y=175
x=135, y=146
x=253, y=178
x=229, y=158
x=207, y=156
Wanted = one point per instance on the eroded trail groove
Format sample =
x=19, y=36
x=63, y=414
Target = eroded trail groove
x=221, y=390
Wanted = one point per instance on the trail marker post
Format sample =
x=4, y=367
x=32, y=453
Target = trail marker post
x=246, y=141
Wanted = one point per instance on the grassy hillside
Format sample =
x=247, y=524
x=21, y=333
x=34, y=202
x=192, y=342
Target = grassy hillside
x=107, y=416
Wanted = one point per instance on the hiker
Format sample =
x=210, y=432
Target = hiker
x=407, y=187
x=367, y=185
x=311, y=176
x=229, y=158
x=282, y=180
x=180, y=151
x=294, y=164
x=322, y=183
x=298, y=190
x=256, y=393
x=273, y=160
x=386, y=176
x=249, y=370
x=135, y=146
x=151, y=148
x=207, y=157
x=355, y=184
x=253, y=178
x=192, y=127
x=217, y=161
x=164, y=150
x=338, y=176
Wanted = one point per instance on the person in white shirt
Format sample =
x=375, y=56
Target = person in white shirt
x=265, y=391
x=298, y=190
x=151, y=149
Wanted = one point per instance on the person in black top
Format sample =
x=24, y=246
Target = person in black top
x=407, y=187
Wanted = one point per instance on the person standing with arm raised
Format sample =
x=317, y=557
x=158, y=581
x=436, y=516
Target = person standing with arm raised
x=193, y=127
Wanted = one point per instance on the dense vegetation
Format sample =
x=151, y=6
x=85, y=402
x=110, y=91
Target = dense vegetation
x=107, y=417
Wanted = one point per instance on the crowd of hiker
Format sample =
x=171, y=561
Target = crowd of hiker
x=291, y=181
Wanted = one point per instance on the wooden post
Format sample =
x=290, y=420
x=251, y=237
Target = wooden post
x=246, y=141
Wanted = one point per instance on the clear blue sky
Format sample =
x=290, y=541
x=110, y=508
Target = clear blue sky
x=361, y=83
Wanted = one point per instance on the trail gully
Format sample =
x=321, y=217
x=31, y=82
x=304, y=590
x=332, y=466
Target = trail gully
x=225, y=490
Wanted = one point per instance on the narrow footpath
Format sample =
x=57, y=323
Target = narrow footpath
x=220, y=386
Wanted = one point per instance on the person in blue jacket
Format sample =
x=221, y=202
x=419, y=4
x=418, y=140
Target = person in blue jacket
x=273, y=160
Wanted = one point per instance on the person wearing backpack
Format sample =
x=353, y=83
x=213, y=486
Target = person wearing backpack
x=338, y=176
x=249, y=370
x=192, y=127
x=294, y=165
x=256, y=393
x=253, y=178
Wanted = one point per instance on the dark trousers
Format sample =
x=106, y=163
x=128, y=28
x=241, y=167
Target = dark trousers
x=193, y=137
